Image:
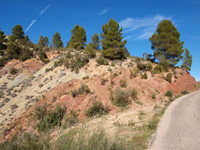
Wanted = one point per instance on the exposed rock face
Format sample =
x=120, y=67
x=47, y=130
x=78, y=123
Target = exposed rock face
x=34, y=86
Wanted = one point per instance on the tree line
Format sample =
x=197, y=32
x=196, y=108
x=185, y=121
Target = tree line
x=165, y=43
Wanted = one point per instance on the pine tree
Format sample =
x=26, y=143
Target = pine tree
x=166, y=42
x=43, y=42
x=89, y=50
x=56, y=41
x=112, y=44
x=78, y=38
x=46, y=41
x=2, y=43
x=18, y=32
x=13, y=50
x=95, y=41
x=187, y=60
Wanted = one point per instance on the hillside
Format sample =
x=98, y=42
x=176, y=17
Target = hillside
x=35, y=84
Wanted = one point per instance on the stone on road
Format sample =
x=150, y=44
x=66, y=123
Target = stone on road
x=179, y=128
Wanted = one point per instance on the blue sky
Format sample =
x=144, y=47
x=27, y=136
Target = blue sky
x=139, y=19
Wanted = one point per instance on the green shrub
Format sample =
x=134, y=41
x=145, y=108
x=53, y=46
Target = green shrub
x=114, y=53
x=102, y=61
x=86, y=78
x=2, y=61
x=169, y=77
x=133, y=93
x=40, y=111
x=89, y=51
x=157, y=69
x=134, y=72
x=148, y=67
x=123, y=83
x=97, y=141
x=51, y=120
x=25, y=54
x=103, y=81
x=121, y=98
x=184, y=92
x=153, y=96
x=71, y=119
x=96, y=108
x=144, y=76
x=78, y=62
x=169, y=93
x=43, y=57
x=60, y=62
x=13, y=71
x=81, y=90
x=25, y=141
x=141, y=66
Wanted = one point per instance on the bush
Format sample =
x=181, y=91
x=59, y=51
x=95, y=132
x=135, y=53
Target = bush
x=123, y=83
x=43, y=57
x=78, y=62
x=140, y=66
x=169, y=77
x=51, y=120
x=133, y=93
x=25, y=141
x=60, y=62
x=134, y=72
x=121, y=98
x=153, y=96
x=144, y=76
x=169, y=93
x=81, y=90
x=25, y=54
x=89, y=51
x=115, y=53
x=102, y=61
x=96, y=108
x=40, y=111
x=157, y=69
x=184, y=92
x=103, y=81
x=71, y=119
x=13, y=71
x=148, y=67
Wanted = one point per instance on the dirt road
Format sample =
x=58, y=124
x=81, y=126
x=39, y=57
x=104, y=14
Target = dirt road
x=179, y=128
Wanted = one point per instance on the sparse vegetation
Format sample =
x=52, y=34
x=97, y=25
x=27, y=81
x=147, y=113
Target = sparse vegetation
x=13, y=71
x=51, y=119
x=103, y=81
x=169, y=77
x=121, y=98
x=169, y=93
x=144, y=76
x=102, y=61
x=153, y=96
x=96, y=108
x=184, y=92
x=123, y=83
x=133, y=93
x=81, y=90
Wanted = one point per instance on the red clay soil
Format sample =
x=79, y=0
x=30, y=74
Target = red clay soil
x=101, y=93
x=32, y=65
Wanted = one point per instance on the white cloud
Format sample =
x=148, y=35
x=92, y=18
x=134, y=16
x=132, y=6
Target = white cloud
x=33, y=21
x=143, y=27
x=103, y=12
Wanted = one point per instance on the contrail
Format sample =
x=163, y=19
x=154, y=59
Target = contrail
x=33, y=21
x=44, y=10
